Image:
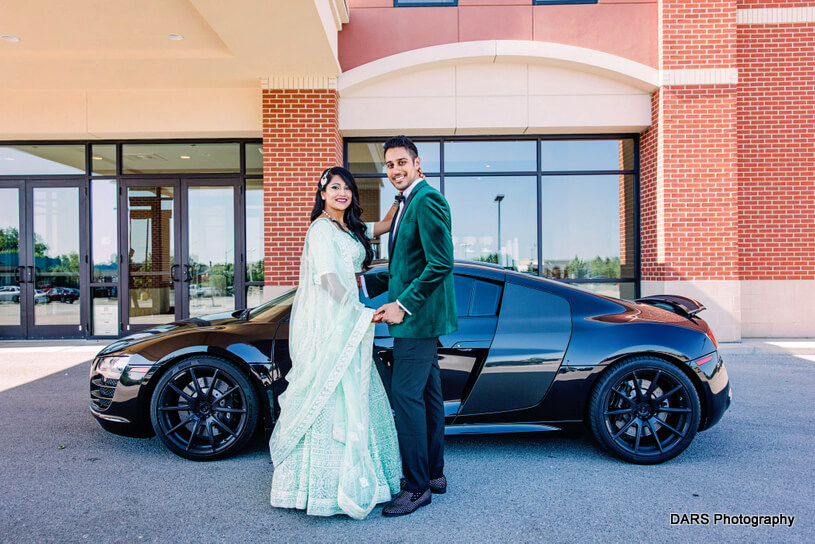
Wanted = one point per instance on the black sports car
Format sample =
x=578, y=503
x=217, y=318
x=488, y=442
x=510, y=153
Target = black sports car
x=529, y=355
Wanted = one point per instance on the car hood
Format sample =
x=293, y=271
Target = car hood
x=175, y=327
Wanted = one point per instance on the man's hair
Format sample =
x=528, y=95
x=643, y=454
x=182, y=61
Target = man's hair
x=402, y=141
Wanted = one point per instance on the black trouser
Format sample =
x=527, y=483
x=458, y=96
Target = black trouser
x=419, y=407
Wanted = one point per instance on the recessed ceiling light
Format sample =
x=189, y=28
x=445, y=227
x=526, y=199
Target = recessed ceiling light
x=184, y=157
x=97, y=158
x=9, y=158
x=175, y=37
x=9, y=38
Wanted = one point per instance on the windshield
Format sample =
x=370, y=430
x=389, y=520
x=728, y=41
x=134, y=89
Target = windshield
x=272, y=310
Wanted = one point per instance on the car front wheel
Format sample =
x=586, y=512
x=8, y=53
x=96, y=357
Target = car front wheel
x=645, y=410
x=204, y=408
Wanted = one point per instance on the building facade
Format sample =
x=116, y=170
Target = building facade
x=160, y=162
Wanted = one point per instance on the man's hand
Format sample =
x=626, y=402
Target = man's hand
x=390, y=313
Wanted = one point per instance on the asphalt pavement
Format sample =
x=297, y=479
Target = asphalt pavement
x=64, y=479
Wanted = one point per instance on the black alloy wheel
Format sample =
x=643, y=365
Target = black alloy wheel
x=204, y=408
x=645, y=410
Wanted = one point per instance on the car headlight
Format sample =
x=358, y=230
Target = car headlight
x=112, y=367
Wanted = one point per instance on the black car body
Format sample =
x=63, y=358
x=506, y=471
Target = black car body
x=529, y=355
x=62, y=294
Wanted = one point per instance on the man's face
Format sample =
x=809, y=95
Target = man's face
x=401, y=169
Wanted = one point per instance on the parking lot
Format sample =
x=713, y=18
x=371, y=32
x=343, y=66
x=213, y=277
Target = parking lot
x=66, y=480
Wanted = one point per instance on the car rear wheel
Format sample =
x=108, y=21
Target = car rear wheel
x=645, y=410
x=204, y=408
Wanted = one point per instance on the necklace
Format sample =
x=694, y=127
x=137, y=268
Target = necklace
x=348, y=232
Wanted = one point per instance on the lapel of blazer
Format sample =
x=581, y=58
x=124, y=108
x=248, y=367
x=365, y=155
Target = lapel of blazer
x=416, y=190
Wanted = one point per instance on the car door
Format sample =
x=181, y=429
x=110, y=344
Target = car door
x=532, y=334
x=462, y=353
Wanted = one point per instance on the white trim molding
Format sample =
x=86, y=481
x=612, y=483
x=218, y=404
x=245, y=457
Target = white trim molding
x=637, y=75
x=299, y=83
x=702, y=76
x=775, y=16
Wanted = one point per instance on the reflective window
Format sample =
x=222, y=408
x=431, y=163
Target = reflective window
x=254, y=230
x=180, y=158
x=151, y=291
x=585, y=155
x=463, y=287
x=254, y=296
x=588, y=215
x=485, y=299
x=211, y=249
x=254, y=158
x=369, y=158
x=105, y=304
x=9, y=256
x=103, y=160
x=104, y=228
x=616, y=290
x=494, y=220
x=56, y=255
x=485, y=156
x=587, y=226
x=43, y=159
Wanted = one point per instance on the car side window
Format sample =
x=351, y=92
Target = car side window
x=485, y=299
x=463, y=287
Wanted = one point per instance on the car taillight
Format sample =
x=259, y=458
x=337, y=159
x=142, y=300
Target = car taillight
x=709, y=334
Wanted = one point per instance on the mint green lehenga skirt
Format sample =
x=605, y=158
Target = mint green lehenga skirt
x=308, y=478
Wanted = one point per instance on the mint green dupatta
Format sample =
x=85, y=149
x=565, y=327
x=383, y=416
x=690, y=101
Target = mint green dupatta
x=331, y=340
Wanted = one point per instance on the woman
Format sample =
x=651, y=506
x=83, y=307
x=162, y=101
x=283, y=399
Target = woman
x=334, y=447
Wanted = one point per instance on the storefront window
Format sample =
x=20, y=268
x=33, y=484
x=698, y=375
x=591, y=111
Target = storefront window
x=573, y=218
x=44, y=159
x=491, y=217
x=201, y=158
x=103, y=160
x=104, y=222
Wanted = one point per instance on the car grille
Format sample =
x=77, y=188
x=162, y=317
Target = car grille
x=102, y=390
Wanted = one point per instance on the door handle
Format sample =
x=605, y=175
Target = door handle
x=30, y=275
x=20, y=274
x=187, y=275
x=172, y=272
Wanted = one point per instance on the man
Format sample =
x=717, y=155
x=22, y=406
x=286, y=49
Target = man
x=422, y=307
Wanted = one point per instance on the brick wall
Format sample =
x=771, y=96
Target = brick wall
x=689, y=194
x=300, y=139
x=776, y=127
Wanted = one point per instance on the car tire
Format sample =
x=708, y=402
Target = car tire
x=204, y=408
x=648, y=423
x=15, y=299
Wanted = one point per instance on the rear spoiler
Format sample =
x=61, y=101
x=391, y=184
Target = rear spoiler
x=677, y=304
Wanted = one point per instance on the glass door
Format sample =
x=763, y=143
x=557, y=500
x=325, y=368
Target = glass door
x=152, y=268
x=12, y=270
x=181, y=237
x=211, y=237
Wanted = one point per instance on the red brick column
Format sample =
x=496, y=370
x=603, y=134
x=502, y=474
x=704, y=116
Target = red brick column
x=300, y=139
x=689, y=202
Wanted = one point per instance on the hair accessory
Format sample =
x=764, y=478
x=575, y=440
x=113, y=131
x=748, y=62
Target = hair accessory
x=324, y=178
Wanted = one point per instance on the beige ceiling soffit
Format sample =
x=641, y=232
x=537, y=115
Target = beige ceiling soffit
x=775, y=16
x=300, y=83
x=633, y=73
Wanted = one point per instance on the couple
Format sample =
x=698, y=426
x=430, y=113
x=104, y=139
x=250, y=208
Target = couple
x=334, y=447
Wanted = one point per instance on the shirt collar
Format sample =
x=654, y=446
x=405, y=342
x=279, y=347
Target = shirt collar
x=406, y=192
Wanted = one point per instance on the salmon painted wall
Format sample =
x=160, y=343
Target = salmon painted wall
x=627, y=28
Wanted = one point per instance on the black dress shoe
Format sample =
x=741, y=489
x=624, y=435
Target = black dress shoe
x=406, y=502
x=437, y=485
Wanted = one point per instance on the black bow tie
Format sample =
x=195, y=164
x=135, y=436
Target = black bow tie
x=400, y=198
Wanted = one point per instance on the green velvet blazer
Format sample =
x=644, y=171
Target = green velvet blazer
x=420, y=273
